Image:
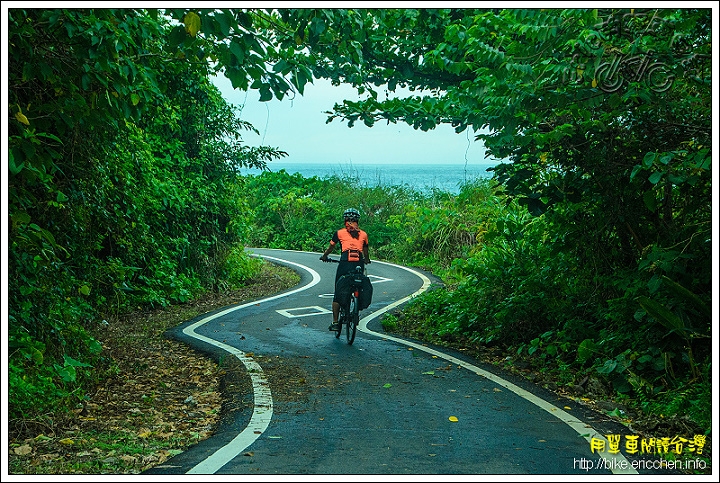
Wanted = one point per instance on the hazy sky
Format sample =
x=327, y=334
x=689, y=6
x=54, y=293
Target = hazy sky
x=298, y=127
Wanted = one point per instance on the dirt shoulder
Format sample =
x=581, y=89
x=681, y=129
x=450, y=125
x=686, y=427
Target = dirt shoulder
x=164, y=397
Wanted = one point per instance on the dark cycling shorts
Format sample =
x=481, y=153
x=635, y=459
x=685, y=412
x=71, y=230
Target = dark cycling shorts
x=343, y=268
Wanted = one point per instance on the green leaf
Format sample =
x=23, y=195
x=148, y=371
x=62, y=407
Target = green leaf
x=535, y=207
x=586, y=350
x=648, y=160
x=654, y=284
x=281, y=66
x=20, y=218
x=176, y=37
x=677, y=179
x=94, y=346
x=69, y=361
x=702, y=160
x=66, y=373
x=659, y=364
x=14, y=168
x=663, y=315
x=317, y=26
x=244, y=19
x=614, y=413
x=685, y=294
x=36, y=356
x=666, y=158
x=237, y=77
x=225, y=20
x=621, y=384
x=265, y=93
x=84, y=290
x=655, y=177
x=607, y=367
x=237, y=50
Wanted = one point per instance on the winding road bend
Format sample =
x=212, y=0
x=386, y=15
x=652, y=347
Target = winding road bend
x=314, y=404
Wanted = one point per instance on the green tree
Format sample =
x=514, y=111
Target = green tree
x=122, y=160
x=603, y=120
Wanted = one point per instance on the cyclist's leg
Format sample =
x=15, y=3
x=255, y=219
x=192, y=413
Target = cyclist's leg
x=335, y=311
x=336, y=315
x=343, y=267
x=335, y=305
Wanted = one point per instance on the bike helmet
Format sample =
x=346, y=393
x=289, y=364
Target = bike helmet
x=351, y=214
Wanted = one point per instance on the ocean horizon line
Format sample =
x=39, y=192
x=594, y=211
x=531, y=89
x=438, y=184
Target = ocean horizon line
x=278, y=165
x=379, y=163
x=422, y=176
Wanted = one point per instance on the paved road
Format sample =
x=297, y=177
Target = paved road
x=309, y=403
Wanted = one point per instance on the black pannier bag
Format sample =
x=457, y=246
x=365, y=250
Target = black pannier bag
x=344, y=286
x=366, y=293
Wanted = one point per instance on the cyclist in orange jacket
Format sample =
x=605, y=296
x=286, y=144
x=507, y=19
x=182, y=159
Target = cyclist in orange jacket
x=354, y=251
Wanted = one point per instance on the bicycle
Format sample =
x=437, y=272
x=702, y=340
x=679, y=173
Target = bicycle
x=349, y=316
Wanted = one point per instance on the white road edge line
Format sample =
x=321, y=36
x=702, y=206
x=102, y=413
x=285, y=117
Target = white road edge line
x=262, y=412
x=617, y=463
x=263, y=403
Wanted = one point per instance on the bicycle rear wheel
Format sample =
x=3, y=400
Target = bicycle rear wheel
x=352, y=320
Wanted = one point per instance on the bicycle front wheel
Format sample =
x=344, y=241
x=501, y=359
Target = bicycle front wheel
x=352, y=320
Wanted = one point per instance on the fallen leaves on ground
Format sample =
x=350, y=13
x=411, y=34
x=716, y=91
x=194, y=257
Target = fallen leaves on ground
x=164, y=398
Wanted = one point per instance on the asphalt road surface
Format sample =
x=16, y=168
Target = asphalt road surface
x=309, y=403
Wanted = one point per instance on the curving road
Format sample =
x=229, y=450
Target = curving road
x=312, y=404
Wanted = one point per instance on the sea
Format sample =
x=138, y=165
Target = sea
x=424, y=178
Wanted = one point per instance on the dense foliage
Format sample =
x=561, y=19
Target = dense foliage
x=122, y=159
x=594, y=252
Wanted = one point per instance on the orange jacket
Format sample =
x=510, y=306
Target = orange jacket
x=351, y=247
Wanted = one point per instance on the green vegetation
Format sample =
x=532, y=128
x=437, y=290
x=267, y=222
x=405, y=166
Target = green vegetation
x=589, y=253
x=506, y=286
x=140, y=416
x=122, y=160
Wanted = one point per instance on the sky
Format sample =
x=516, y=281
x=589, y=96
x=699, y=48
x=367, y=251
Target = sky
x=298, y=126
